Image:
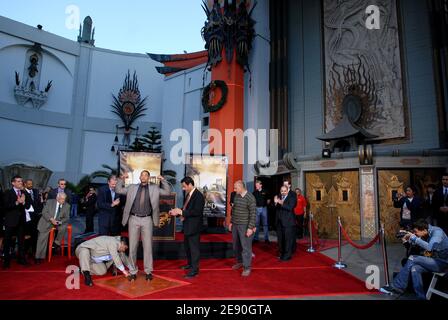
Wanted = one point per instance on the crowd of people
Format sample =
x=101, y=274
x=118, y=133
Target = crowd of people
x=29, y=215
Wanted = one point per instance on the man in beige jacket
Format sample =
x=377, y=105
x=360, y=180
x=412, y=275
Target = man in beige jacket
x=141, y=213
x=97, y=255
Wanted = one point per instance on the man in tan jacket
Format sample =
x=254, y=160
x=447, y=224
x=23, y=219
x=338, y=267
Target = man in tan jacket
x=141, y=213
x=97, y=255
x=56, y=213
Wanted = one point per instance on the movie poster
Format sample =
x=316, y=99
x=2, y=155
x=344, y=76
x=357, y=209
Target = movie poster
x=167, y=224
x=210, y=177
x=135, y=162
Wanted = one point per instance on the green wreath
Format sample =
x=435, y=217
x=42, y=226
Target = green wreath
x=206, y=95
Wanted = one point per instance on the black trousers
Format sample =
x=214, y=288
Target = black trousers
x=192, y=250
x=89, y=220
x=105, y=222
x=31, y=230
x=286, y=239
x=19, y=231
x=299, y=220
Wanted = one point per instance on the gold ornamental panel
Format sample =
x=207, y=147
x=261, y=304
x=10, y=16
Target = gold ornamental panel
x=333, y=194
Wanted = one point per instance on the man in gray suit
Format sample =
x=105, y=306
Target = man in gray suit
x=141, y=212
x=56, y=213
x=97, y=255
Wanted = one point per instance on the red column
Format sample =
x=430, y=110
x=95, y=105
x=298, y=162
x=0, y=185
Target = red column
x=230, y=116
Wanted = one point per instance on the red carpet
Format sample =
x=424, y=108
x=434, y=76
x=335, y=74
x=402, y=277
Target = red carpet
x=305, y=275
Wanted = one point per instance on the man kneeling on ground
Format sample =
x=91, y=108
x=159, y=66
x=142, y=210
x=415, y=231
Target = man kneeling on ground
x=97, y=255
x=435, y=243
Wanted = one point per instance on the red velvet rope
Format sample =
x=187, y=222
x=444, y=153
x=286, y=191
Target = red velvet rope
x=357, y=246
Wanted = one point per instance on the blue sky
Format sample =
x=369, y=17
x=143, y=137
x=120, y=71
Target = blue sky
x=156, y=26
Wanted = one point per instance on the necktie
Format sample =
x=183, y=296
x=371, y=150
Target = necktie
x=186, y=202
x=32, y=195
x=58, y=212
x=142, y=198
x=19, y=194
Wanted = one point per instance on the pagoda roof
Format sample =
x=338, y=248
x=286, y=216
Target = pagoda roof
x=345, y=129
x=178, y=62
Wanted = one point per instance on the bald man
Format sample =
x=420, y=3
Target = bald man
x=242, y=227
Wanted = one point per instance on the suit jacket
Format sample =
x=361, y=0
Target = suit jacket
x=104, y=201
x=415, y=207
x=440, y=201
x=54, y=192
x=193, y=213
x=430, y=206
x=14, y=215
x=105, y=245
x=48, y=212
x=131, y=192
x=36, y=203
x=89, y=205
x=285, y=213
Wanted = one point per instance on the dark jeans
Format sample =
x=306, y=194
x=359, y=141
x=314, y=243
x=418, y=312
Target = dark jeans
x=414, y=267
x=262, y=219
x=192, y=250
x=242, y=245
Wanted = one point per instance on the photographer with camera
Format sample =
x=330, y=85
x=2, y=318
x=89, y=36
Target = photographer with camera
x=435, y=243
x=411, y=210
x=410, y=205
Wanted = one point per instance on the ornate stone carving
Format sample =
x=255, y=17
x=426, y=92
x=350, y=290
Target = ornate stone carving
x=365, y=64
x=28, y=90
x=231, y=28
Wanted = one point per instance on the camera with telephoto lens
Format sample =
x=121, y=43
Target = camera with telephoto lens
x=400, y=234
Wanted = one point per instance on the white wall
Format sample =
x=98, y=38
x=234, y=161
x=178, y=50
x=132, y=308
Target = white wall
x=55, y=65
x=33, y=144
x=108, y=71
x=97, y=151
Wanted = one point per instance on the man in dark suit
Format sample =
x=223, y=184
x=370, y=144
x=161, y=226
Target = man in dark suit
x=2, y=233
x=31, y=226
x=411, y=207
x=15, y=201
x=429, y=204
x=62, y=184
x=191, y=215
x=108, y=202
x=286, y=222
x=441, y=200
x=89, y=206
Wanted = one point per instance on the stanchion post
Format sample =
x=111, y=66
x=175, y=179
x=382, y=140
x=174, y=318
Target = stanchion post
x=310, y=230
x=339, y=264
x=385, y=259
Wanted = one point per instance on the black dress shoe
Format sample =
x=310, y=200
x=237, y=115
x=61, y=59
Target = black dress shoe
x=186, y=267
x=87, y=278
x=6, y=265
x=285, y=259
x=57, y=249
x=38, y=261
x=149, y=277
x=191, y=274
x=22, y=262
